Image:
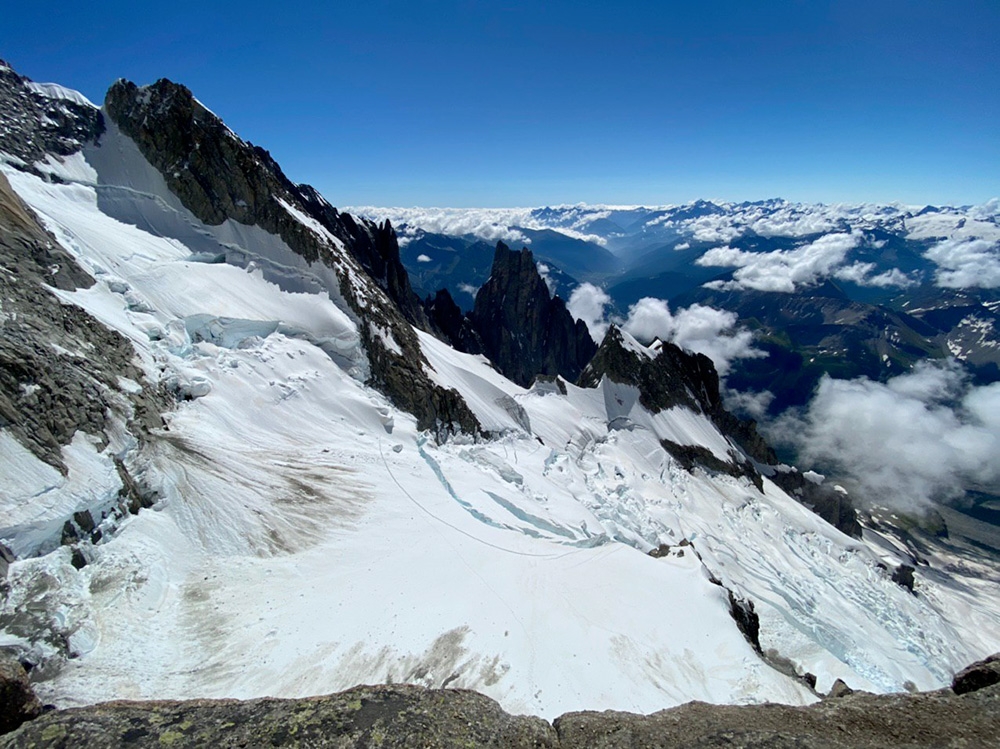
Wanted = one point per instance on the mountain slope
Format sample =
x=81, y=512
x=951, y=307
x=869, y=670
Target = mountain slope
x=309, y=533
x=220, y=179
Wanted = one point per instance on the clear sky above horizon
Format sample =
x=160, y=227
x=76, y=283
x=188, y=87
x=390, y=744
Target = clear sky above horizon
x=519, y=104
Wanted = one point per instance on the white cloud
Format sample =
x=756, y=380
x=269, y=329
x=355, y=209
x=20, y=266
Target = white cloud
x=784, y=270
x=697, y=328
x=965, y=263
x=423, y=258
x=589, y=303
x=788, y=223
x=986, y=211
x=469, y=289
x=490, y=224
x=582, y=236
x=860, y=273
x=713, y=229
x=922, y=436
x=543, y=271
x=754, y=405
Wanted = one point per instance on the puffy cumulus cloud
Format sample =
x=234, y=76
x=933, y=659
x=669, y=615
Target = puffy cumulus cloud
x=791, y=221
x=861, y=274
x=423, y=258
x=590, y=304
x=469, y=289
x=964, y=263
x=922, y=436
x=697, y=328
x=713, y=229
x=783, y=270
x=986, y=211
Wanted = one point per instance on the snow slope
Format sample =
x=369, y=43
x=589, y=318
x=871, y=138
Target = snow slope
x=310, y=538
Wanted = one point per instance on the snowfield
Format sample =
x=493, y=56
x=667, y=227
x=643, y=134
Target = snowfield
x=309, y=538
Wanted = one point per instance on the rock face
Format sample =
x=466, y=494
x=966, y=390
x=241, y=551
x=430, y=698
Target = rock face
x=903, y=576
x=978, y=676
x=450, y=324
x=51, y=384
x=38, y=119
x=376, y=247
x=742, y=610
x=219, y=177
x=18, y=702
x=524, y=330
x=6, y=557
x=858, y=721
x=672, y=378
x=407, y=716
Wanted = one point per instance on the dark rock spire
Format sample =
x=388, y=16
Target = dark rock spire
x=524, y=331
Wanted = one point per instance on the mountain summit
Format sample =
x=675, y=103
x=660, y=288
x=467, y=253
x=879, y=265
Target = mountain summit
x=525, y=331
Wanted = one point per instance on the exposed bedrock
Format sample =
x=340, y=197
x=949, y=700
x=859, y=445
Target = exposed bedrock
x=410, y=716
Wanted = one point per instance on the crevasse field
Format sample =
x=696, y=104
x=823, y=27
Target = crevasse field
x=310, y=539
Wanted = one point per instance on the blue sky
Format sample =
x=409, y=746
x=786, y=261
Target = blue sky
x=524, y=103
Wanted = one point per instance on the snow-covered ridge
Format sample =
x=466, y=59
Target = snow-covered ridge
x=55, y=91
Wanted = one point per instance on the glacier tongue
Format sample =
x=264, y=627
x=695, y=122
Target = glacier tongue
x=309, y=537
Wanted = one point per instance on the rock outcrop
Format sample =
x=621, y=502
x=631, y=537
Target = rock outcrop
x=667, y=376
x=833, y=506
x=855, y=721
x=408, y=716
x=18, y=702
x=448, y=322
x=524, y=330
x=671, y=377
x=219, y=177
x=59, y=367
x=39, y=119
x=380, y=716
x=979, y=675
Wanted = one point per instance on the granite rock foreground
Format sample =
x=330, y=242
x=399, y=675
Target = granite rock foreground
x=410, y=716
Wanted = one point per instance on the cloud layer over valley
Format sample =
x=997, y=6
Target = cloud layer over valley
x=922, y=436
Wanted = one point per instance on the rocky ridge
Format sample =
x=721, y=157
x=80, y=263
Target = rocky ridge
x=51, y=382
x=40, y=119
x=217, y=176
x=410, y=716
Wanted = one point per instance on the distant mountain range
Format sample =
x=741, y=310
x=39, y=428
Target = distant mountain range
x=847, y=290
